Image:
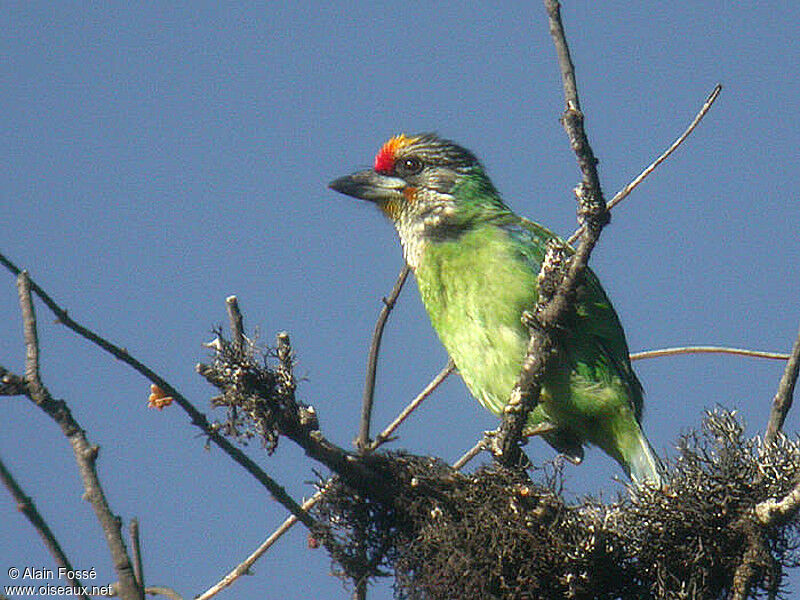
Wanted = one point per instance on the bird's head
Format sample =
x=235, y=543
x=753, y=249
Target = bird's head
x=426, y=185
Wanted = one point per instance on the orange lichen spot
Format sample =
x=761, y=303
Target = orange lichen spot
x=158, y=398
x=384, y=159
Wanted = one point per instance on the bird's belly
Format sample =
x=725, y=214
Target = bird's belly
x=486, y=341
x=475, y=290
x=489, y=355
x=478, y=318
x=489, y=359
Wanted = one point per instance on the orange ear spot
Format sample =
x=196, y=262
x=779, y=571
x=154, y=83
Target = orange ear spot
x=384, y=159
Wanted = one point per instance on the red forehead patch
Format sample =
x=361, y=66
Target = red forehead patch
x=384, y=159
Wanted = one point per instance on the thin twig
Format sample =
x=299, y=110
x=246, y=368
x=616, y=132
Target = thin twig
x=85, y=454
x=198, y=419
x=161, y=590
x=236, y=321
x=560, y=275
x=782, y=401
x=645, y=354
x=383, y=436
x=136, y=549
x=27, y=507
x=245, y=565
x=362, y=442
x=624, y=192
x=470, y=454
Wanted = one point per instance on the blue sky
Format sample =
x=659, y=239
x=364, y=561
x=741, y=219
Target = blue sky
x=158, y=158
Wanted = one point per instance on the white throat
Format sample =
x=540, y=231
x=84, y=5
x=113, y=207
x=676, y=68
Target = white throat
x=416, y=229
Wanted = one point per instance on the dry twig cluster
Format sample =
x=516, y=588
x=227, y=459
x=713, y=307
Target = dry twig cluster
x=496, y=534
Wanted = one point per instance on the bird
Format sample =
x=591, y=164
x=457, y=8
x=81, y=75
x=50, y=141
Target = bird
x=476, y=264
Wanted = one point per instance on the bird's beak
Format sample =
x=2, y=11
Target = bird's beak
x=369, y=185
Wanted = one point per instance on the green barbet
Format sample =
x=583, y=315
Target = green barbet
x=476, y=264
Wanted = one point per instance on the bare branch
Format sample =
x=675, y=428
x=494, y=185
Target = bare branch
x=11, y=384
x=625, y=192
x=783, y=397
x=236, y=320
x=33, y=379
x=198, y=419
x=26, y=506
x=85, y=454
x=706, y=350
x=560, y=273
x=245, y=565
x=470, y=454
x=565, y=64
x=362, y=442
x=360, y=593
x=160, y=590
x=136, y=548
x=383, y=436
x=755, y=556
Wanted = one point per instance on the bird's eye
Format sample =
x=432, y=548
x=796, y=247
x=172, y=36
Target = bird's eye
x=410, y=165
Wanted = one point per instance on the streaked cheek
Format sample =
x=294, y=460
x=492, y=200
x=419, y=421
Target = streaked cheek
x=391, y=208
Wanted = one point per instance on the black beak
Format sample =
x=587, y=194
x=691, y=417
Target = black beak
x=369, y=185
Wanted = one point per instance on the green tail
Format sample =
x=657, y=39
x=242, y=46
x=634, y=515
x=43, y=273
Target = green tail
x=640, y=461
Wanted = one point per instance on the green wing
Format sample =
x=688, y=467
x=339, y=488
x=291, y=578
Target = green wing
x=593, y=334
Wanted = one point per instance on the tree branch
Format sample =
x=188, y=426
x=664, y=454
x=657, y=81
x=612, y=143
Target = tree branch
x=470, y=454
x=244, y=567
x=383, y=436
x=560, y=274
x=782, y=401
x=362, y=442
x=85, y=454
x=755, y=559
x=26, y=506
x=625, y=192
x=773, y=512
x=198, y=419
x=645, y=354
x=236, y=320
x=136, y=548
